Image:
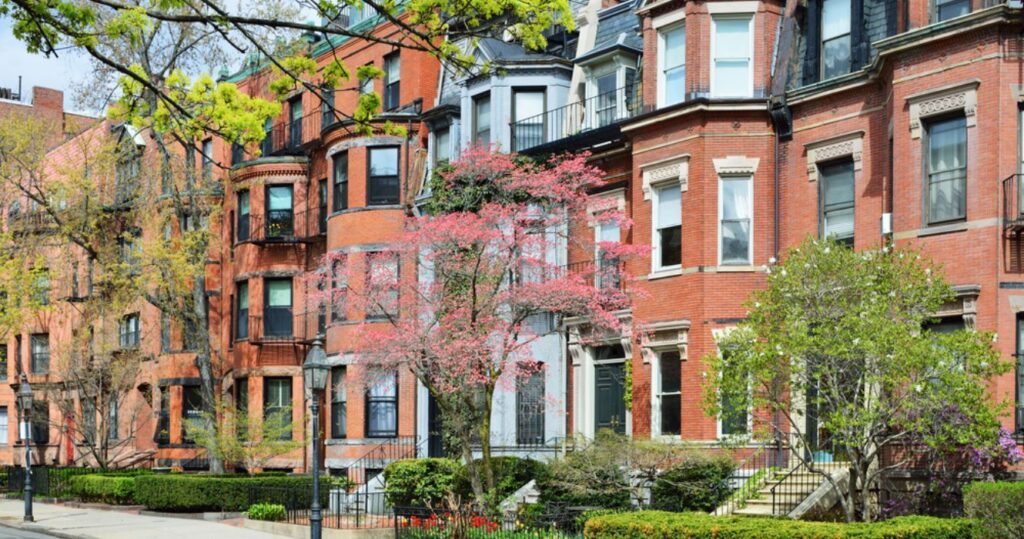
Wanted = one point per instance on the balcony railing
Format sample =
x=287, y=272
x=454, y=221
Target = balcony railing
x=587, y=116
x=290, y=136
x=281, y=226
x=1013, y=210
x=606, y=272
x=280, y=325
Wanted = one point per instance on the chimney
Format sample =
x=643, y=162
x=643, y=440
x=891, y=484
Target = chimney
x=48, y=99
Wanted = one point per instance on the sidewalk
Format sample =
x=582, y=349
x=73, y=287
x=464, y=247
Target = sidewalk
x=79, y=523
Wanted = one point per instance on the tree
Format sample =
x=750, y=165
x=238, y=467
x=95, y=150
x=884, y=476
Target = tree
x=485, y=268
x=841, y=336
x=242, y=439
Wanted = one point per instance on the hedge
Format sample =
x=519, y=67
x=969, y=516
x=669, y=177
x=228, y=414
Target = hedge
x=663, y=525
x=420, y=482
x=699, y=483
x=112, y=489
x=194, y=493
x=999, y=507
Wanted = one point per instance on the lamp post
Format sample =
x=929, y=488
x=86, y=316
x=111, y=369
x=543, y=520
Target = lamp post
x=25, y=402
x=314, y=374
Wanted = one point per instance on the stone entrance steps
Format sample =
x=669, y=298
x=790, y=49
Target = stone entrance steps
x=792, y=489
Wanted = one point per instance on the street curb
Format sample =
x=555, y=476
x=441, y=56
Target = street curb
x=46, y=531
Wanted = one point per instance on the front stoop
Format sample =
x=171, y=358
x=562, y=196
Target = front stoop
x=815, y=492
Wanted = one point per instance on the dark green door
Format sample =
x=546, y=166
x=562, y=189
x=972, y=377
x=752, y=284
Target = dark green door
x=609, y=390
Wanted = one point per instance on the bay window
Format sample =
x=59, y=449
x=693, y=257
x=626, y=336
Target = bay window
x=383, y=183
x=280, y=215
x=277, y=399
x=242, y=310
x=731, y=66
x=392, y=76
x=242, y=228
x=340, y=161
x=277, y=309
x=735, y=213
x=382, y=407
x=668, y=230
x=672, y=65
x=528, y=118
x=482, y=120
x=339, y=403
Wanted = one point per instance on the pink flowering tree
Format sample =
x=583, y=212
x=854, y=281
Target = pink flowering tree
x=455, y=300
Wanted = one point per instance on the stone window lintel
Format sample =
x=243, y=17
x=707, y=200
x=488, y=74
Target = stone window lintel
x=962, y=96
x=665, y=171
x=851, y=144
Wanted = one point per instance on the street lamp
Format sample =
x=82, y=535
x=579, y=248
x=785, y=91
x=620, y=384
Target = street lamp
x=314, y=374
x=25, y=402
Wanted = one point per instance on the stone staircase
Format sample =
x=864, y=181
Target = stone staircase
x=796, y=489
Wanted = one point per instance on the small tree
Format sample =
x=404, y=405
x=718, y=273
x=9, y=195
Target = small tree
x=236, y=437
x=840, y=336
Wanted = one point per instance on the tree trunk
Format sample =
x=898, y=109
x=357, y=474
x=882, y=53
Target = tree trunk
x=204, y=364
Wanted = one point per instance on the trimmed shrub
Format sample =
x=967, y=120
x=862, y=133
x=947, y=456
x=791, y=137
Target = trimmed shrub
x=420, y=482
x=273, y=512
x=510, y=473
x=580, y=481
x=700, y=483
x=112, y=489
x=662, y=525
x=194, y=493
x=999, y=508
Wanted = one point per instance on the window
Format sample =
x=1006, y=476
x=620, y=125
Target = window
x=606, y=99
x=267, y=145
x=835, y=38
x=382, y=274
x=243, y=216
x=339, y=403
x=130, y=246
x=482, y=119
x=89, y=420
x=734, y=419
x=242, y=310
x=165, y=333
x=237, y=153
x=382, y=407
x=277, y=311
x=946, y=144
x=280, y=217
x=340, y=181
x=327, y=107
x=163, y=424
x=129, y=330
x=667, y=394
x=947, y=9
x=191, y=410
x=392, y=75
x=112, y=420
x=530, y=408
x=322, y=205
x=366, y=84
x=735, y=210
x=3, y=425
x=207, y=159
x=837, y=200
x=668, y=236
x=730, y=65
x=277, y=399
x=40, y=423
x=672, y=65
x=946, y=324
x=383, y=185
x=295, y=122
x=608, y=267
x=528, y=124
x=242, y=406
x=339, y=292
x=41, y=290
x=442, y=146
x=3, y=361
x=126, y=176
x=40, y=353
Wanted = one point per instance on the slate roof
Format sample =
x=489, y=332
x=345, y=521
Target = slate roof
x=617, y=27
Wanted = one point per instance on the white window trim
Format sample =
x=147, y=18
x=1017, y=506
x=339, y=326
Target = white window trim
x=668, y=18
x=717, y=335
x=961, y=96
x=750, y=32
x=656, y=268
x=661, y=55
x=656, y=393
x=731, y=167
x=744, y=6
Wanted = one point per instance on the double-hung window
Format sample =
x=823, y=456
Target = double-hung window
x=129, y=330
x=672, y=65
x=606, y=99
x=835, y=38
x=667, y=394
x=731, y=65
x=339, y=292
x=339, y=402
x=163, y=422
x=946, y=172
x=528, y=118
x=295, y=122
x=482, y=119
x=277, y=399
x=242, y=407
x=668, y=227
x=242, y=310
x=207, y=159
x=442, y=146
x=237, y=153
x=277, y=309
x=382, y=407
x=948, y=9
x=280, y=216
x=88, y=427
x=3, y=361
x=322, y=205
x=340, y=161
x=608, y=267
x=734, y=418
x=3, y=425
x=40, y=353
x=384, y=187
x=326, y=106
x=40, y=421
x=242, y=228
x=837, y=194
x=735, y=218
x=392, y=77
x=267, y=144
x=112, y=418
x=383, y=277
x=191, y=410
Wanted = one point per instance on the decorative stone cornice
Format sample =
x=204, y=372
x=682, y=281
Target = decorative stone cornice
x=736, y=165
x=662, y=335
x=958, y=97
x=846, y=145
x=676, y=169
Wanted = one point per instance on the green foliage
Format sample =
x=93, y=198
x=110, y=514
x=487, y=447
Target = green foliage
x=112, y=489
x=273, y=512
x=588, y=478
x=510, y=473
x=246, y=440
x=192, y=493
x=421, y=482
x=699, y=483
x=999, y=508
x=662, y=525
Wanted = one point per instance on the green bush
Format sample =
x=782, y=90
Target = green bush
x=273, y=512
x=194, y=493
x=420, y=482
x=112, y=489
x=699, y=483
x=580, y=480
x=999, y=507
x=510, y=473
x=662, y=525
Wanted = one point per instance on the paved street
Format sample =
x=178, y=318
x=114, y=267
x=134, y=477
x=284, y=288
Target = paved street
x=72, y=522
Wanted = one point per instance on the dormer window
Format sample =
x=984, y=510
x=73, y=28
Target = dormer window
x=835, y=38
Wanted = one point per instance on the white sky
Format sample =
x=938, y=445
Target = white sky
x=37, y=70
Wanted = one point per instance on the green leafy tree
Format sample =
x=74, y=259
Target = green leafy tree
x=841, y=336
x=250, y=441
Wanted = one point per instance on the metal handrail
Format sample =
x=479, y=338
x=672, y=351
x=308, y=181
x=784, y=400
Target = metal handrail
x=602, y=110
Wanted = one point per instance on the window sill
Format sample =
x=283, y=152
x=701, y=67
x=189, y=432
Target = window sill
x=947, y=228
x=665, y=272
x=737, y=269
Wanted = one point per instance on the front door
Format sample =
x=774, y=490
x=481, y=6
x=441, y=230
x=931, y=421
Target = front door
x=609, y=391
x=435, y=437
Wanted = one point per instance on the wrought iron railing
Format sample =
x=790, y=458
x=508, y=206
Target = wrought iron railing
x=753, y=473
x=340, y=509
x=284, y=326
x=600, y=111
x=362, y=471
x=280, y=226
x=556, y=521
x=291, y=135
x=605, y=272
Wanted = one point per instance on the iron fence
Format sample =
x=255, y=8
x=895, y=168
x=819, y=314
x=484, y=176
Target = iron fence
x=47, y=481
x=555, y=521
x=753, y=473
x=340, y=509
x=603, y=110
